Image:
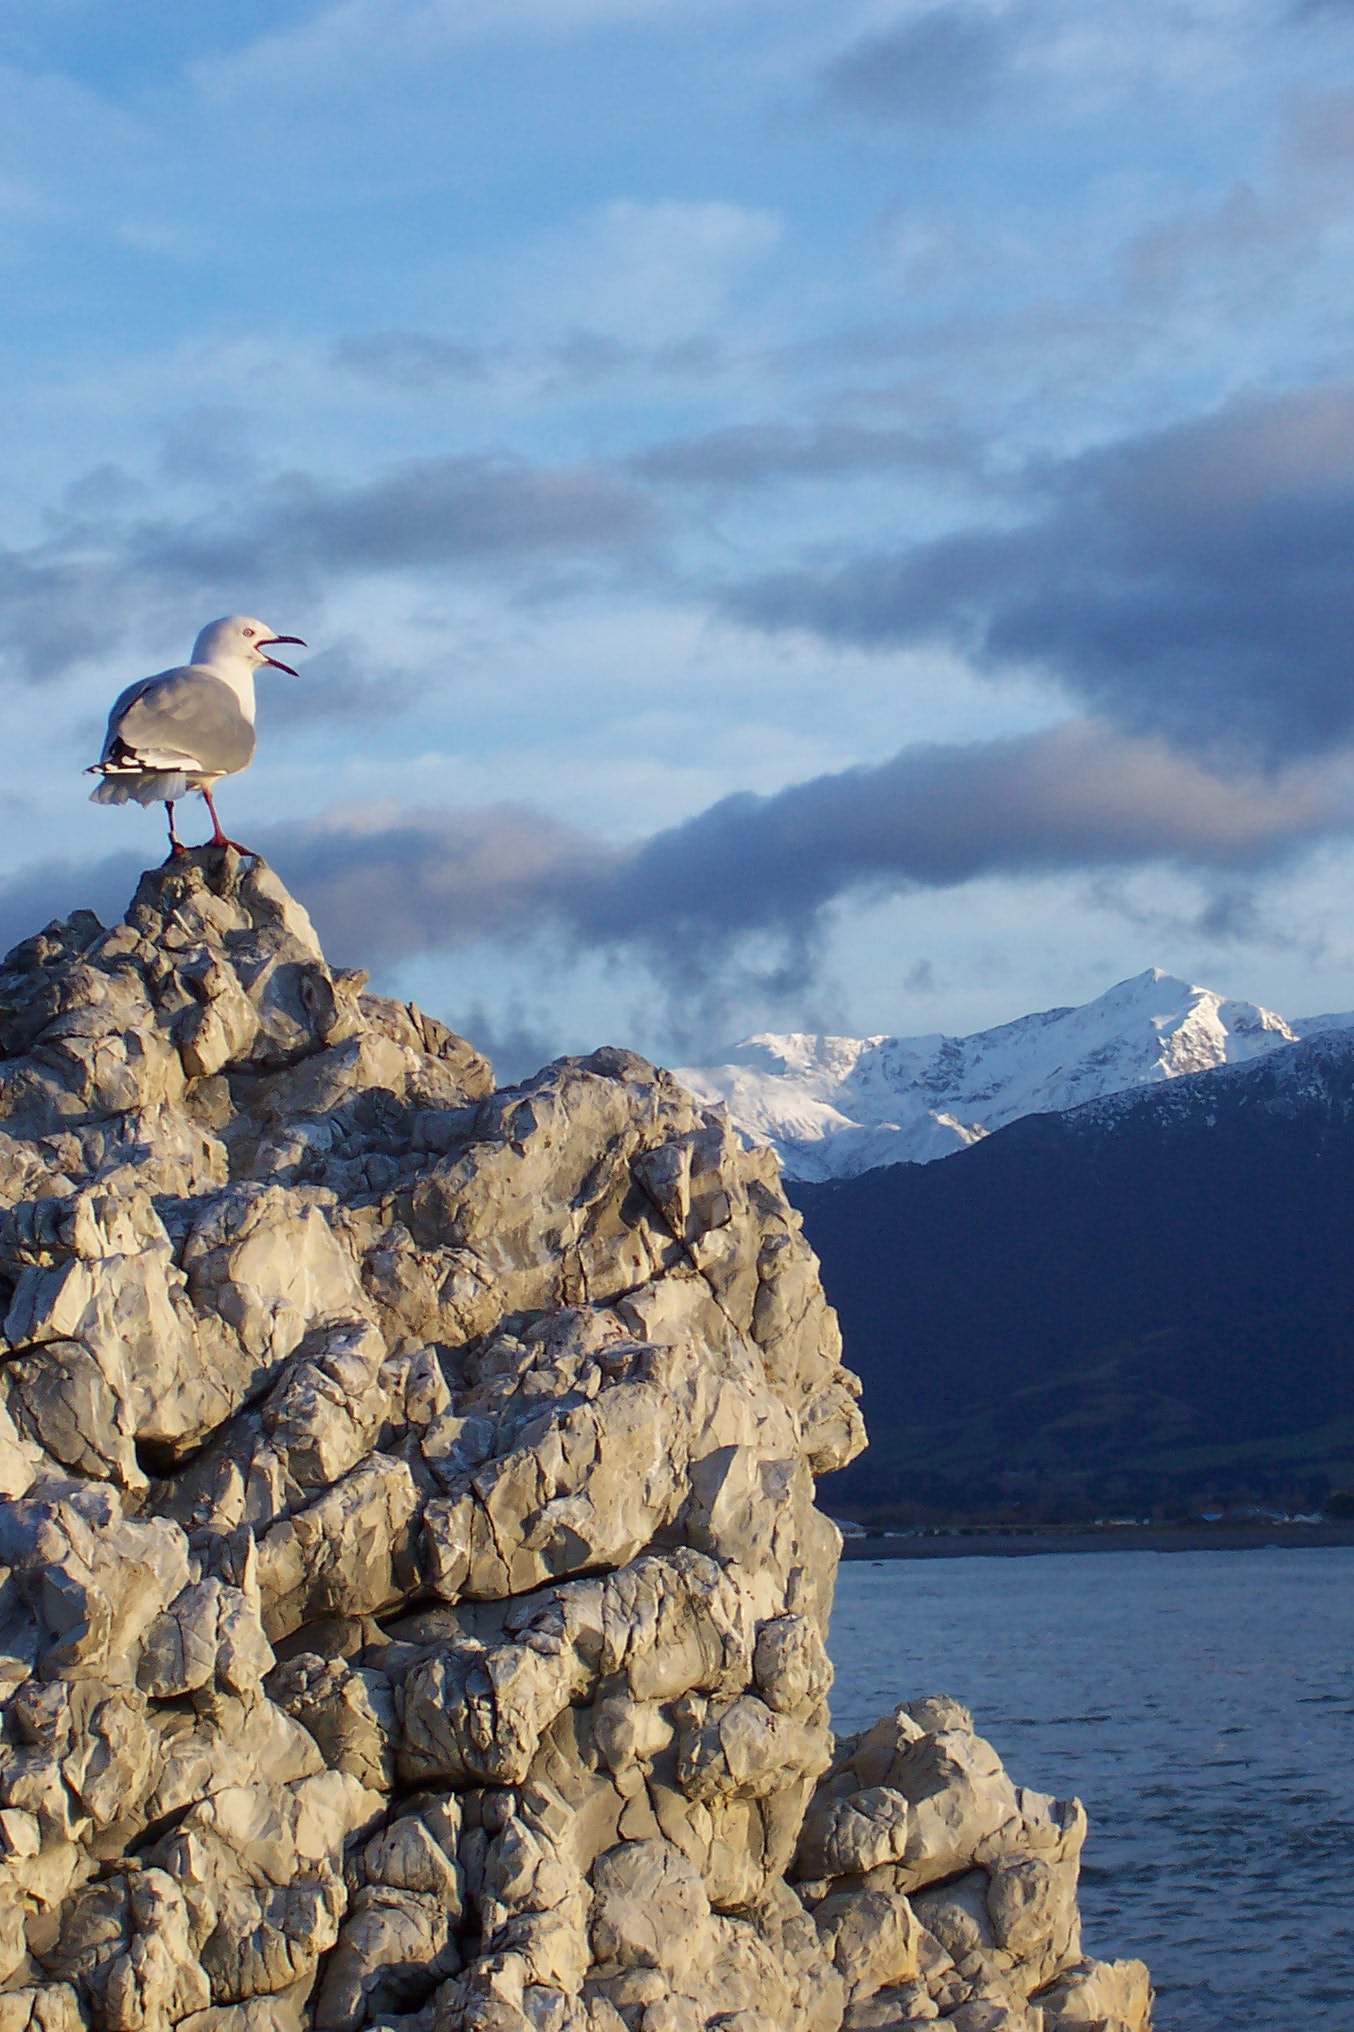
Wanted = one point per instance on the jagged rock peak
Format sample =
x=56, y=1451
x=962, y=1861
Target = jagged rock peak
x=413, y=1600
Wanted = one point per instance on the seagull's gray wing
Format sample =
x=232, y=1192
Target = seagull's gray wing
x=182, y=719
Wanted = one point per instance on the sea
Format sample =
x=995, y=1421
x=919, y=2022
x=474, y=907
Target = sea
x=1200, y=1704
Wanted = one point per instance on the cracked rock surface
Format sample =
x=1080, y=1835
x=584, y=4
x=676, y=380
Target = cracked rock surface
x=412, y=1598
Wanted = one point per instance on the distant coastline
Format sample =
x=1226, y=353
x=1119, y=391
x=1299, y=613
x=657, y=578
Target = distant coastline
x=970, y=1541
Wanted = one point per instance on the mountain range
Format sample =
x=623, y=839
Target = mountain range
x=835, y=1107
x=1131, y=1303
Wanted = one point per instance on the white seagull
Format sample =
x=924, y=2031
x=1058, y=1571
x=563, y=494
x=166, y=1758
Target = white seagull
x=185, y=729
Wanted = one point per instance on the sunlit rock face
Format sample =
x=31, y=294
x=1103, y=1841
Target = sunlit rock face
x=414, y=1603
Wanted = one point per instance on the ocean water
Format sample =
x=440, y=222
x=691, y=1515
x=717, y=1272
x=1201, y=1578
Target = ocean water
x=1201, y=1704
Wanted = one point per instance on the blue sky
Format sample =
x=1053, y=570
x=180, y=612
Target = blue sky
x=805, y=515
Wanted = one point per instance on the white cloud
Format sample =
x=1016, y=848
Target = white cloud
x=347, y=44
x=641, y=273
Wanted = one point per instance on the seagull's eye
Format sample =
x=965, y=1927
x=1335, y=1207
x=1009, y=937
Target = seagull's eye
x=248, y=632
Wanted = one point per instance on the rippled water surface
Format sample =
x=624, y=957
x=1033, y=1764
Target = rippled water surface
x=1201, y=1704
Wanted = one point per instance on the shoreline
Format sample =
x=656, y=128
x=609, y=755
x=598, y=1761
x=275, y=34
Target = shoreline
x=977, y=1541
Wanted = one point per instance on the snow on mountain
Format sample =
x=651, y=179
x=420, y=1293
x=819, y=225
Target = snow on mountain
x=1310, y=1026
x=836, y=1106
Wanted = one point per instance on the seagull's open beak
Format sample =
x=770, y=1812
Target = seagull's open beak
x=272, y=642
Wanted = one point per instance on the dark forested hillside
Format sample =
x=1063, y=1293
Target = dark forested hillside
x=1140, y=1300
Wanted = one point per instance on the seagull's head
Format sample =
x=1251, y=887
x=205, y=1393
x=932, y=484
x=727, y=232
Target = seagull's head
x=239, y=638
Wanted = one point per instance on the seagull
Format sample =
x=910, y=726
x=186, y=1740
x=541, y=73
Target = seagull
x=185, y=729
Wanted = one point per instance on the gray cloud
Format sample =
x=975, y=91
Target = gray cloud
x=381, y=887
x=425, y=513
x=1232, y=911
x=73, y=596
x=755, y=875
x=745, y=455
x=209, y=444
x=514, y=1046
x=586, y=357
x=1071, y=797
x=340, y=685
x=929, y=67
x=1320, y=134
x=416, y=362
x=33, y=896
x=58, y=610
x=410, y=359
x=1197, y=581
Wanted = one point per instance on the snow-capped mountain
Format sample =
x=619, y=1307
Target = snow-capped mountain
x=836, y=1106
x=1141, y=1294
x=1310, y=1026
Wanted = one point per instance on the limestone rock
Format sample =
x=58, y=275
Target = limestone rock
x=349, y=1710
x=1095, y=1993
x=413, y=1602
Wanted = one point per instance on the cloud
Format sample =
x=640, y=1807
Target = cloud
x=334, y=45
x=933, y=816
x=57, y=611
x=419, y=362
x=514, y=1046
x=73, y=596
x=1321, y=124
x=748, y=455
x=929, y=67
x=936, y=815
x=410, y=359
x=1196, y=581
x=34, y=895
x=383, y=885
x=448, y=510
x=1239, y=231
x=649, y=275
x=1232, y=911
x=341, y=685
x=205, y=444
x=584, y=358
x=757, y=874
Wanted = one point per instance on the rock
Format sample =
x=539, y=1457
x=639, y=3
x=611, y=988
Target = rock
x=349, y=1710
x=209, y=1635
x=53, y=2007
x=855, y=1834
x=649, y=1909
x=158, y=1980
x=412, y=1597
x=959, y=1917
x=871, y=1935
x=93, y=1579
x=395, y=1948
x=1095, y=1993
x=352, y=1551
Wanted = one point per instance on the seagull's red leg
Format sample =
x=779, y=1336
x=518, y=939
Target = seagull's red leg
x=176, y=846
x=218, y=838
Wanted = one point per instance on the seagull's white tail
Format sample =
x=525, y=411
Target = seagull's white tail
x=143, y=788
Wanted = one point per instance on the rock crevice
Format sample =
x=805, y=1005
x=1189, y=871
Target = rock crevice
x=412, y=1599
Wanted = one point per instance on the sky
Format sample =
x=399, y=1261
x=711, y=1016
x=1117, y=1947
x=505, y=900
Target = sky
x=805, y=516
